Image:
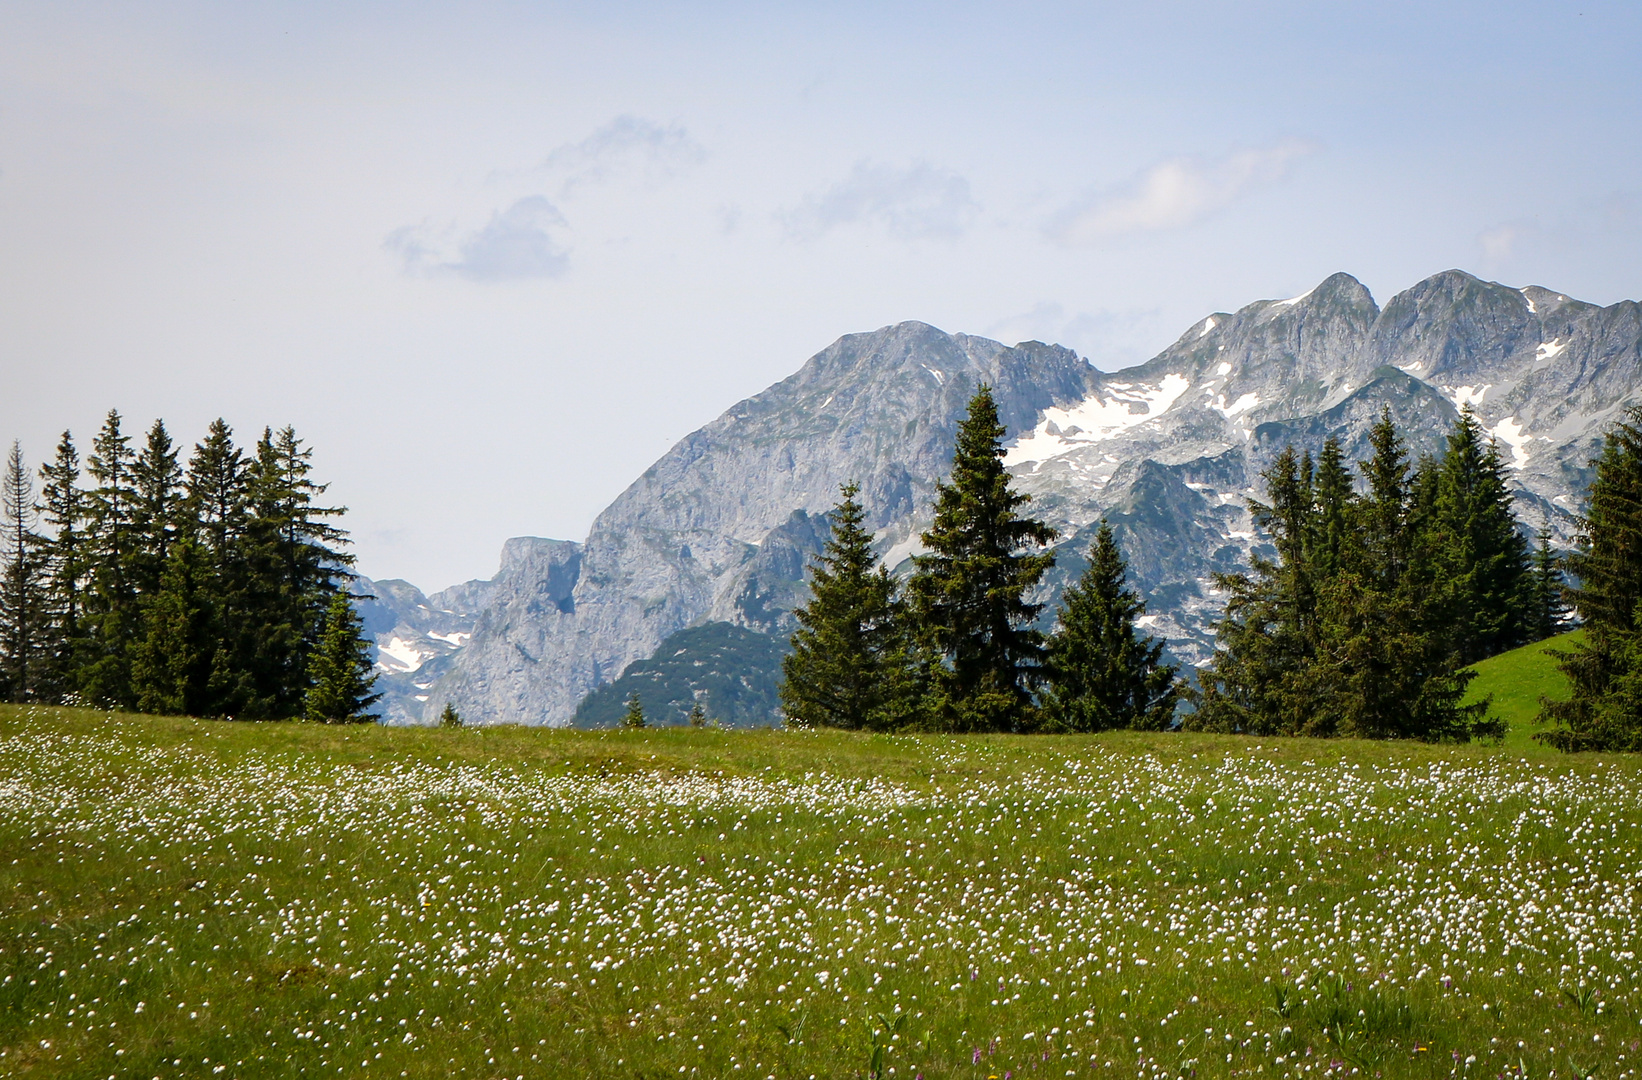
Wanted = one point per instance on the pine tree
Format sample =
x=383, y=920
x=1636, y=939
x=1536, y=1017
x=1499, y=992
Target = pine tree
x=156, y=508
x=218, y=507
x=1605, y=669
x=339, y=670
x=1103, y=674
x=24, y=584
x=633, y=718
x=63, y=510
x=698, y=716
x=847, y=664
x=969, y=591
x=171, y=662
x=1481, y=557
x=110, y=614
x=1545, y=609
x=450, y=718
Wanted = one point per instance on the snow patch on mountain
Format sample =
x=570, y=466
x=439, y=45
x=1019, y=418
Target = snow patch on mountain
x=1095, y=419
x=1510, y=432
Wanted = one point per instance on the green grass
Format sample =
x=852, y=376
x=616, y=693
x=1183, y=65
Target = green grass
x=1517, y=680
x=186, y=898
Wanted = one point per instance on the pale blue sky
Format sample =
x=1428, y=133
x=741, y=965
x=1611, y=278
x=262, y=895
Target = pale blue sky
x=492, y=260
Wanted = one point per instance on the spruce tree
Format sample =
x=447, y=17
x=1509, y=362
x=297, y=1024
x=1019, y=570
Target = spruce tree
x=171, y=662
x=698, y=716
x=633, y=718
x=156, y=515
x=1545, y=609
x=217, y=502
x=969, y=590
x=110, y=614
x=63, y=508
x=24, y=584
x=847, y=664
x=1605, y=669
x=1103, y=673
x=1481, y=557
x=449, y=717
x=339, y=669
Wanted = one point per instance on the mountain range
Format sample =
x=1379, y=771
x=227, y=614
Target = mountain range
x=720, y=529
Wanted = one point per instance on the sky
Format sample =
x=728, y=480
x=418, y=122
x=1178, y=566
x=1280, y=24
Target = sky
x=492, y=259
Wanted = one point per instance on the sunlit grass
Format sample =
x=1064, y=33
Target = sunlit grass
x=192, y=898
x=1516, y=680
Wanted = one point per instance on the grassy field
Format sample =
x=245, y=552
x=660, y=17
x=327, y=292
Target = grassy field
x=1516, y=680
x=182, y=898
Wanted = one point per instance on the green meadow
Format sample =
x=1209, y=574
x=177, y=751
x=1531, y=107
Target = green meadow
x=191, y=898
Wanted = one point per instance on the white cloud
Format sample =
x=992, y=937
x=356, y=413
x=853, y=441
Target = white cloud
x=920, y=202
x=515, y=244
x=1499, y=241
x=1173, y=194
x=627, y=145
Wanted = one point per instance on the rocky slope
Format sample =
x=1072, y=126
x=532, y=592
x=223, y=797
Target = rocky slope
x=720, y=528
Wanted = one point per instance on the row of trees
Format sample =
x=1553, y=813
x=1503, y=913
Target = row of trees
x=1386, y=586
x=956, y=649
x=1362, y=625
x=215, y=587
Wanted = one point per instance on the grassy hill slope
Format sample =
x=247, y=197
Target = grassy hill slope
x=1517, y=680
x=185, y=898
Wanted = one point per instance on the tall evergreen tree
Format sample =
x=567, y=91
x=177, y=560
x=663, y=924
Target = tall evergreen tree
x=1481, y=557
x=633, y=718
x=1605, y=669
x=110, y=614
x=217, y=502
x=339, y=669
x=1545, y=609
x=969, y=591
x=24, y=584
x=156, y=514
x=63, y=508
x=1103, y=673
x=171, y=662
x=848, y=665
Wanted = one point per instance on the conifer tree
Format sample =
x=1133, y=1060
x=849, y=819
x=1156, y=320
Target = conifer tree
x=969, y=591
x=633, y=718
x=217, y=502
x=24, y=582
x=156, y=509
x=1481, y=557
x=848, y=661
x=1545, y=608
x=449, y=717
x=1605, y=669
x=171, y=662
x=339, y=669
x=110, y=614
x=1103, y=673
x=698, y=716
x=63, y=512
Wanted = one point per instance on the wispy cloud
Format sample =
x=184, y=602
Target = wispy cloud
x=516, y=244
x=1500, y=241
x=1173, y=194
x=920, y=202
x=626, y=146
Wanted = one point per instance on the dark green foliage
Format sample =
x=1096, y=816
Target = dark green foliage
x=1545, y=609
x=1103, y=674
x=339, y=670
x=732, y=672
x=449, y=717
x=697, y=717
x=983, y=656
x=24, y=582
x=171, y=662
x=633, y=718
x=849, y=662
x=1605, y=669
x=227, y=627
x=1480, y=559
x=1348, y=632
